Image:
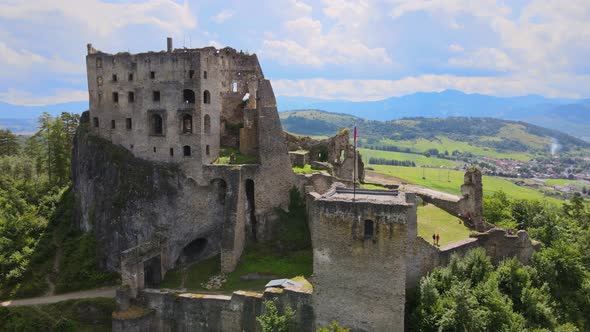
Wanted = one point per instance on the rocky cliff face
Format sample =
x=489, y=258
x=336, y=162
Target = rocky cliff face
x=126, y=201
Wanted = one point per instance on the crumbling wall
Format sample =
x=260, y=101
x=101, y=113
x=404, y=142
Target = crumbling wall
x=335, y=150
x=202, y=312
x=469, y=207
x=498, y=243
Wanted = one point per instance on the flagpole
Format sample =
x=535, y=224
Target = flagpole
x=354, y=167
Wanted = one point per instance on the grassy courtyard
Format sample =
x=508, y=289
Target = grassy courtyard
x=432, y=220
x=257, y=260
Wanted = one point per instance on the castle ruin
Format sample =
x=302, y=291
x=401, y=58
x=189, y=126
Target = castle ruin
x=182, y=157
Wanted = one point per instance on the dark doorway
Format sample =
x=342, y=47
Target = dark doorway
x=186, y=151
x=152, y=272
x=220, y=187
x=369, y=231
x=193, y=251
x=188, y=96
x=157, y=125
x=251, y=207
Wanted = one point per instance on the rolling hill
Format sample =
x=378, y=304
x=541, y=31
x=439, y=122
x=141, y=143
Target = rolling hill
x=569, y=115
x=479, y=136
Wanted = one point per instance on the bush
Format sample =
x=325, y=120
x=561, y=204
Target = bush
x=272, y=321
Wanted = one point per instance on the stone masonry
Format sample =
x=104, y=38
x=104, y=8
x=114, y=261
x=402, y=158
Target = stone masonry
x=360, y=243
x=144, y=168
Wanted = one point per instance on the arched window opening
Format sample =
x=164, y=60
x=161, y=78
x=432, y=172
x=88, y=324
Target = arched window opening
x=186, y=151
x=369, y=229
x=157, y=124
x=193, y=251
x=187, y=124
x=206, y=97
x=207, y=124
x=188, y=96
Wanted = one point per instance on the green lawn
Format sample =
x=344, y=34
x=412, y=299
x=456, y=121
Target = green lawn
x=417, y=158
x=450, y=181
x=563, y=182
x=305, y=169
x=444, y=143
x=432, y=220
x=257, y=259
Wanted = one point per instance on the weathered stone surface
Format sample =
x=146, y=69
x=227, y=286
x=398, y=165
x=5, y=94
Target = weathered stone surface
x=147, y=188
x=201, y=312
x=360, y=250
x=336, y=151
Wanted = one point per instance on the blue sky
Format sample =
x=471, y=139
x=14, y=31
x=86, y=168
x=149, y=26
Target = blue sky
x=357, y=50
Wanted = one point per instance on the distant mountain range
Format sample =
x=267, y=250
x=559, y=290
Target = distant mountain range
x=571, y=116
x=568, y=115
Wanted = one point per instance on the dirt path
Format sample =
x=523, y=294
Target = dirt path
x=98, y=292
x=55, y=269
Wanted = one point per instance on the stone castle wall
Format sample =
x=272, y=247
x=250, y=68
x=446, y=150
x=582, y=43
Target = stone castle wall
x=359, y=280
x=169, y=311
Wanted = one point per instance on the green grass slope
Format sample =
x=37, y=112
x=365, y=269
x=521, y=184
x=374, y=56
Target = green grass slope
x=479, y=136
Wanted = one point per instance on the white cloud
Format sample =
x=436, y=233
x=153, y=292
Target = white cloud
x=26, y=98
x=363, y=90
x=103, y=18
x=305, y=40
x=13, y=62
x=456, y=48
x=223, y=16
x=483, y=58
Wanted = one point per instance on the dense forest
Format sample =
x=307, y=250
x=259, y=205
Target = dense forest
x=36, y=214
x=552, y=294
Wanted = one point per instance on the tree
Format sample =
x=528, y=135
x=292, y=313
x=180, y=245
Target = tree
x=272, y=321
x=8, y=143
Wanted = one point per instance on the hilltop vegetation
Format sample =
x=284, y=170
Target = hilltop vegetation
x=479, y=136
x=36, y=207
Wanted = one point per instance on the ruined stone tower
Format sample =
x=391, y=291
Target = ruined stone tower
x=360, y=246
x=471, y=205
x=148, y=177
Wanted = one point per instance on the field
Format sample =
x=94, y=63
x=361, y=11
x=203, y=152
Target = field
x=563, y=182
x=444, y=143
x=450, y=181
x=432, y=220
x=417, y=158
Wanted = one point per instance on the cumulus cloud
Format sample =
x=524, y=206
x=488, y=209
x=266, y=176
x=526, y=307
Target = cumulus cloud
x=26, y=98
x=365, y=90
x=483, y=58
x=223, y=16
x=103, y=17
x=14, y=62
x=306, y=41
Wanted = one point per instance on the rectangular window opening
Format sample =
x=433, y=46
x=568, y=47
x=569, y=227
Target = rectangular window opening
x=113, y=124
x=191, y=73
x=171, y=152
x=128, y=123
x=115, y=97
x=152, y=75
x=131, y=97
x=114, y=78
x=205, y=74
x=130, y=77
x=156, y=96
x=95, y=121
